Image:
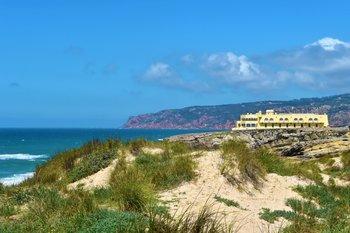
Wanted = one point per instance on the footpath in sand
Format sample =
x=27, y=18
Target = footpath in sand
x=211, y=183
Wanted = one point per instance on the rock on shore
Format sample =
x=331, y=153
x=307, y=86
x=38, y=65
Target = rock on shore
x=287, y=142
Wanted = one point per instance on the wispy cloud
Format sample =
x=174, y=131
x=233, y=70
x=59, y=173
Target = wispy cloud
x=163, y=74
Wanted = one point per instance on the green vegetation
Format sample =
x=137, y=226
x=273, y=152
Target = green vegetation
x=255, y=164
x=130, y=204
x=227, y=202
x=323, y=209
x=76, y=163
x=238, y=157
x=165, y=171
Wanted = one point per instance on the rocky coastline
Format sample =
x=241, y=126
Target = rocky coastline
x=302, y=142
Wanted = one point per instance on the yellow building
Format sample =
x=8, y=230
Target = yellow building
x=271, y=120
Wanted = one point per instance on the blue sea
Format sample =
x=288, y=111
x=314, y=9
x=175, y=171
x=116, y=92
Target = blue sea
x=21, y=150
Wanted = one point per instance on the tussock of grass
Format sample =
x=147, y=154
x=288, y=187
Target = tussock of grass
x=254, y=164
x=285, y=167
x=204, y=222
x=166, y=171
x=238, y=157
x=132, y=190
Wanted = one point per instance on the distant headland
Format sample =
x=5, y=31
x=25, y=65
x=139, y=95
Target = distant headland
x=220, y=117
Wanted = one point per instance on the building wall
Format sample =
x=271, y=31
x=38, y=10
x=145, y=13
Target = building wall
x=270, y=119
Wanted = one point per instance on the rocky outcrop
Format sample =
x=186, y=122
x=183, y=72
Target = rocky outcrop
x=287, y=142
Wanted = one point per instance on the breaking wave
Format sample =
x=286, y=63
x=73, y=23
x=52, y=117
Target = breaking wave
x=21, y=156
x=16, y=178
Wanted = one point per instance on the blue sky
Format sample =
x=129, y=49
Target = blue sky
x=94, y=63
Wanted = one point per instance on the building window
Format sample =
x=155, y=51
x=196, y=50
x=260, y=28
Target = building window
x=315, y=119
x=281, y=119
x=295, y=119
x=280, y=125
x=310, y=119
x=286, y=119
x=266, y=119
x=271, y=119
x=300, y=119
x=253, y=125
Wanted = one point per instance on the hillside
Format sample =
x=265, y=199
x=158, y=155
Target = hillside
x=224, y=116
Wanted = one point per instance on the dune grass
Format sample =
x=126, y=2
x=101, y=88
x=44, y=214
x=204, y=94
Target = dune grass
x=237, y=157
x=76, y=163
x=253, y=165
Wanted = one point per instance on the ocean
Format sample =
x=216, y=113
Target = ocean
x=21, y=150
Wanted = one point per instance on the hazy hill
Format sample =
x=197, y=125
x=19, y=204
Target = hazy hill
x=224, y=116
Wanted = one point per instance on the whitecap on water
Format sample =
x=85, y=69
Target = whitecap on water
x=16, y=178
x=21, y=156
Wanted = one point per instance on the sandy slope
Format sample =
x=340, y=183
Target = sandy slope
x=210, y=182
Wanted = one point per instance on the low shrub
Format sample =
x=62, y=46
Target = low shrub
x=323, y=209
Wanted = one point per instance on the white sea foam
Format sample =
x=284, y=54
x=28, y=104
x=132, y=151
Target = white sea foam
x=21, y=156
x=16, y=178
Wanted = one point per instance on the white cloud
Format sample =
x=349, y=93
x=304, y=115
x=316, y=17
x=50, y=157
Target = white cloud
x=329, y=44
x=159, y=71
x=230, y=67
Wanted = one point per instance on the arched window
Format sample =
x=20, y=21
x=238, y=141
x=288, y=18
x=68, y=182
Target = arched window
x=315, y=119
x=310, y=119
x=271, y=119
x=300, y=119
x=295, y=119
x=266, y=119
x=281, y=119
x=286, y=119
